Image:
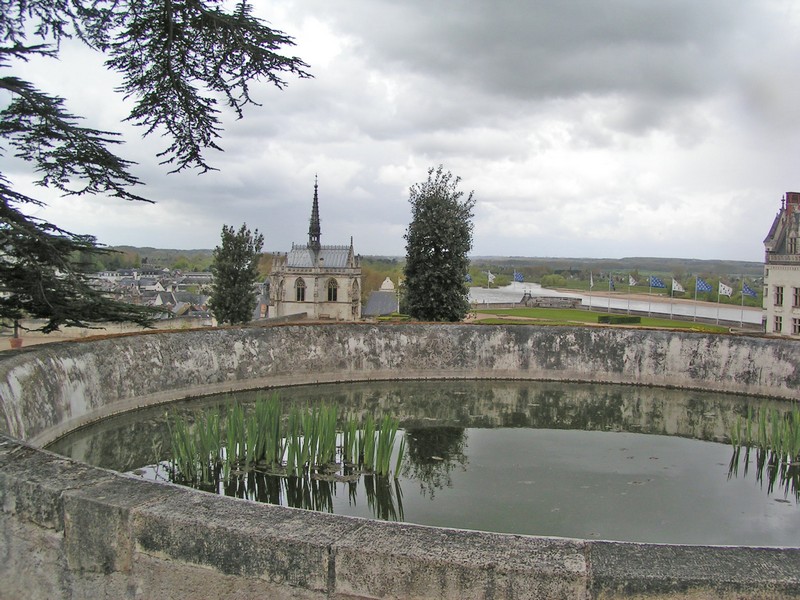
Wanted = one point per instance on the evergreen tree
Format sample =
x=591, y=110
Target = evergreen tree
x=177, y=59
x=437, y=243
x=235, y=270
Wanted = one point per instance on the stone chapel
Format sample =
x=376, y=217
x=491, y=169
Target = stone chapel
x=324, y=282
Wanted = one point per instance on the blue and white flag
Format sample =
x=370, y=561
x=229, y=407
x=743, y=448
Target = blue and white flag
x=748, y=291
x=469, y=278
x=591, y=280
x=518, y=277
x=701, y=286
x=490, y=276
x=677, y=287
x=611, y=283
x=631, y=281
x=725, y=290
x=656, y=282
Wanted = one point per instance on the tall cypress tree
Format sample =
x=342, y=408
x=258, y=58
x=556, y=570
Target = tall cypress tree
x=235, y=270
x=438, y=240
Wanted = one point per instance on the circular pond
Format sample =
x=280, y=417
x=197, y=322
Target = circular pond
x=557, y=459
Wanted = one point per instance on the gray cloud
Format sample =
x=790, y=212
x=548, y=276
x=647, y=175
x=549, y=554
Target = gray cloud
x=585, y=129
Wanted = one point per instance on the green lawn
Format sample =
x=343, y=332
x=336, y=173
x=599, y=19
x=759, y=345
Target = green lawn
x=558, y=316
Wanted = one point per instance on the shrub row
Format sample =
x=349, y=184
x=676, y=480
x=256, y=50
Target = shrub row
x=618, y=319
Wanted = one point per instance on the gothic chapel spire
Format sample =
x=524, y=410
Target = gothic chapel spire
x=314, y=228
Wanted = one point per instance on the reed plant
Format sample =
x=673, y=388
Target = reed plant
x=349, y=446
x=294, y=440
x=184, y=456
x=384, y=445
x=366, y=444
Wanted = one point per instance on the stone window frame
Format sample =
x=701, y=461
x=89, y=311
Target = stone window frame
x=333, y=290
x=778, y=325
x=300, y=290
x=778, y=295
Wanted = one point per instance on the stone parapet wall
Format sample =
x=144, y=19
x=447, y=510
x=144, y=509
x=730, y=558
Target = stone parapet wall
x=49, y=389
x=68, y=530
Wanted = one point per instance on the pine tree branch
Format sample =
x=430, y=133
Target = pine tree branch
x=178, y=59
x=43, y=133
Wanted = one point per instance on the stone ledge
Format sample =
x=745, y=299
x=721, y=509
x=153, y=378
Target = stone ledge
x=620, y=569
x=457, y=564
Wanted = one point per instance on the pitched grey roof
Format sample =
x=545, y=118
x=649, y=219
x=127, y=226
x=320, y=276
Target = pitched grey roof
x=333, y=257
x=380, y=303
x=191, y=297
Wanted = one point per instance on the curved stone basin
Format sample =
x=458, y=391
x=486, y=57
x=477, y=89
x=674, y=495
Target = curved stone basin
x=70, y=530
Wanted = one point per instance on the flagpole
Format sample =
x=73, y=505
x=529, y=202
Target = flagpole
x=629, y=293
x=649, y=293
x=718, y=295
x=671, y=299
x=609, y=293
x=741, y=315
x=695, y=299
x=591, y=285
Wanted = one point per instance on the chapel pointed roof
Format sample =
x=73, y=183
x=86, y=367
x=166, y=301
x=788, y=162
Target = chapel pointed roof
x=314, y=229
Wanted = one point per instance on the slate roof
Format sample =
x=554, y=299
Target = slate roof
x=380, y=303
x=191, y=297
x=786, y=222
x=333, y=257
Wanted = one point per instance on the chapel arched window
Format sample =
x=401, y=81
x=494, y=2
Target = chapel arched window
x=300, y=290
x=333, y=289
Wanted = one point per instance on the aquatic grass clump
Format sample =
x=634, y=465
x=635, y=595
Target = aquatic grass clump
x=775, y=437
x=196, y=450
x=305, y=442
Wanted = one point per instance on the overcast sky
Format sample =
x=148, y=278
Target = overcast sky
x=585, y=129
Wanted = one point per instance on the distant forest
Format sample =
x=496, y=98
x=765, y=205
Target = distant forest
x=376, y=268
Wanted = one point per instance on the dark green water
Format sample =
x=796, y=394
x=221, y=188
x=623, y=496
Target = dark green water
x=571, y=460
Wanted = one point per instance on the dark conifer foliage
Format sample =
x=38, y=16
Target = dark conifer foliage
x=179, y=59
x=235, y=270
x=438, y=241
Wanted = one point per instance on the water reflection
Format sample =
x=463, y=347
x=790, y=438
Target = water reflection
x=553, y=469
x=383, y=495
x=129, y=441
x=774, y=436
x=431, y=455
x=771, y=467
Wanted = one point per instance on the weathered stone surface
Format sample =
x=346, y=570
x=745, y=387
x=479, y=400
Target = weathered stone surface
x=97, y=522
x=390, y=560
x=157, y=579
x=32, y=563
x=279, y=545
x=625, y=570
x=32, y=484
